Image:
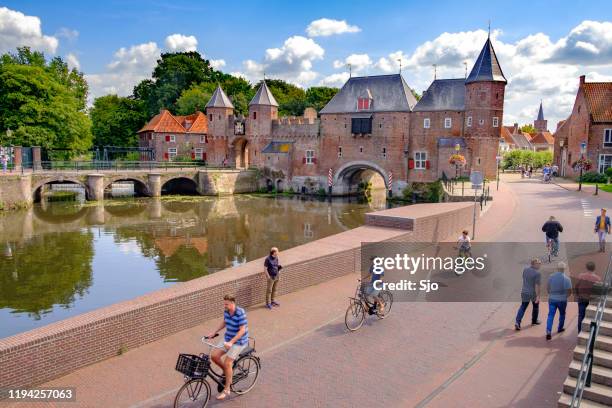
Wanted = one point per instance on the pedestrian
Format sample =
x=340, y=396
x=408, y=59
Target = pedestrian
x=530, y=293
x=602, y=228
x=4, y=159
x=584, y=290
x=272, y=269
x=530, y=171
x=559, y=288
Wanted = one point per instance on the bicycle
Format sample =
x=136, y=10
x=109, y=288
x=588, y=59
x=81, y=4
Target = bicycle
x=356, y=312
x=550, y=243
x=197, y=368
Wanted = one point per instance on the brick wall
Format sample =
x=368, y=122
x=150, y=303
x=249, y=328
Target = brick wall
x=49, y=352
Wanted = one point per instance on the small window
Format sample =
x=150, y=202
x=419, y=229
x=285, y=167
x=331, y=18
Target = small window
x=360, y=149
x=198, y=153
x=426, y=123
x=210, y=117
x=202, y=138
x=309, y=156
x=363, y=104
x=469, y=121
x=481, y=122
x=448, y=122
x=254, y=115
x=172, y=153
x=308, y=230
x=495, y=121
x=380, y=125
x=172, y=138
x=478, y=161
x=339, y=151
x=384, y=152
x=607, y=137
x=420, y=160
x=219, y=117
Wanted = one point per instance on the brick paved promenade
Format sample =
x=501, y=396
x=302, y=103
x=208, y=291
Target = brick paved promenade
x=423, y=354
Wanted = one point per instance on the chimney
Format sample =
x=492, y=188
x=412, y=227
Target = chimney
x=582, y=79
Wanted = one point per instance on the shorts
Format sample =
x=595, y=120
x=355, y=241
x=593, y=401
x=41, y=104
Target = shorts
x=234, y=351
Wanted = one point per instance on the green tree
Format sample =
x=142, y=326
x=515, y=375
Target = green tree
x=318, y=96
x=291, y=99
x=194, y=98
x=115, y=120
x=44, y=103
x=528, y=128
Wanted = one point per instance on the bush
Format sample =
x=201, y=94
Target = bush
x=609, y=172
x=593, y=177
x=434, y=192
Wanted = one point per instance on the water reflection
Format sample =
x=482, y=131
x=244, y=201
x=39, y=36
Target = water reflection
x=61, y=259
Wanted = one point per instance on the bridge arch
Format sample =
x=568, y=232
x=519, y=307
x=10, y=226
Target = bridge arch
x=180, y=185
x=141, y=188
x=38, y=187
x=349, y=175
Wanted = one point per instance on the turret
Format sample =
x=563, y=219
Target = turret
x=484, y=108
x=540, y=124
x=263, y=108
x=219, y=110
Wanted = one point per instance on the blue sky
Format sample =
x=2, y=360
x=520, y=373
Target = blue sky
x=543, y=46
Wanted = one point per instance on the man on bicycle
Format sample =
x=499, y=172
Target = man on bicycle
x=371, y=289
x=547, y=173
x=552, y=228
x=235, y=341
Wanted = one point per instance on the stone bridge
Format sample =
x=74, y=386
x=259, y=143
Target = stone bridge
x=22, y=190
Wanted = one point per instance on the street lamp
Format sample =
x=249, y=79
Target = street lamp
x=457, y=149
x=583, y=146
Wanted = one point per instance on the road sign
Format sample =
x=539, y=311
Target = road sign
x=476, y=179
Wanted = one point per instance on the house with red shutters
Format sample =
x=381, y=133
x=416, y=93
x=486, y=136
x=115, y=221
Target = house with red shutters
x=373, y=126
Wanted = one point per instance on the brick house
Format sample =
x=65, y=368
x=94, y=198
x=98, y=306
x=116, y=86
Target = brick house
x=590, y=122
x=373, y=125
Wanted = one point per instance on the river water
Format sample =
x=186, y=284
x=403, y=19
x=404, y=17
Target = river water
x=61, y=259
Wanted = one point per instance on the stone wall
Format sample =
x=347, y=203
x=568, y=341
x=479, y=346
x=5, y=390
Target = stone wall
x=15, y=191
x=39, y=355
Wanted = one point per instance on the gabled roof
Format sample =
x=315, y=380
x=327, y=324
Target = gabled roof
x=543, y=138
x=443, y=94
x=506, y=134
x=598, y=97
x=165, y=122
x=389, y=93
x=487, y=66
x=263, y=96
x=540, y=113
x=219, y=99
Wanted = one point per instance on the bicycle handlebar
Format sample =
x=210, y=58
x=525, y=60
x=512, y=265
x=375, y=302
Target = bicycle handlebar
x=209, y=344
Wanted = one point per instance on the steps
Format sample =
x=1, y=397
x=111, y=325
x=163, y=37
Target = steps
x=599, y=394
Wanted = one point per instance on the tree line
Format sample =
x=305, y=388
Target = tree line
x=44, y=103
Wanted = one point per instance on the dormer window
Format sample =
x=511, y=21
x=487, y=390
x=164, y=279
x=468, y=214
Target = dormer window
x=363, y=103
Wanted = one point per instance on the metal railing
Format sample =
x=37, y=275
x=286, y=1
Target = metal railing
x=586, y=369
x=117, y=165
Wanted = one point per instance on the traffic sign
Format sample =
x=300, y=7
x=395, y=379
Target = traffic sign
x=476, y=179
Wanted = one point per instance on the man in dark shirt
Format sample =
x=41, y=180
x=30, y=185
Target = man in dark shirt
x=584, y=290
x=272, y=268
x=530, y=293
x=552, y=228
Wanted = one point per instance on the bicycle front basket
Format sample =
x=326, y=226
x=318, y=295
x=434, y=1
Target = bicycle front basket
x=192, y=365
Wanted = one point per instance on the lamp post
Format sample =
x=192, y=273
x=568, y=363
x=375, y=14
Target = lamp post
x=582, y=151
x=457, y=149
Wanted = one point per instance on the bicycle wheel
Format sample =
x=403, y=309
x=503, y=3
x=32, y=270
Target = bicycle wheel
x=246, y=372
x=193, y=394
x=355, y=316
x=387, y=299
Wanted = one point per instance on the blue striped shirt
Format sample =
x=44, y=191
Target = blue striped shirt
x=233, y=323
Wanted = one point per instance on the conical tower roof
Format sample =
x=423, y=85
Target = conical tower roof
x=263, y=96
x=541, y=112
x=487, y=66
x=219, y=99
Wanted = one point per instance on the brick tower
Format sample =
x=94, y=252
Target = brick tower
x=484, y=108
x=263, y=109
x=220, y=113
x=540, y=124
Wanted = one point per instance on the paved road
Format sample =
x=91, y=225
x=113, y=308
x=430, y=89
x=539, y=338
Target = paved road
x=424, y=354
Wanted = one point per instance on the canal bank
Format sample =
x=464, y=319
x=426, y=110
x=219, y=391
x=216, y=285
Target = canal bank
x=42, y=354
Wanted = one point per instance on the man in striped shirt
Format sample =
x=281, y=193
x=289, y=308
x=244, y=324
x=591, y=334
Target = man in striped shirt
x=235, y=341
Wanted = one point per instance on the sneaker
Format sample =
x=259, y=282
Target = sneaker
x=536, y=322
x=548, y=336
x=561, y=330
x=269, y=306
x=275, y=303
x=517, y=326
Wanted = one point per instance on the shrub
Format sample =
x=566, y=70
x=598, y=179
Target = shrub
x=593, y=177
x=609, y=172
x=434, y=192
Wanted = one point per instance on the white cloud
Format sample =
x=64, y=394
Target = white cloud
x=392, y=62
x=217, y=64
x=335, y=80
x=589, y=43
x=291, y=62
x=325, y=27
x=358, y=62
x=18, y=30
x=181, y=43
x=67, y=33
x=73, y=61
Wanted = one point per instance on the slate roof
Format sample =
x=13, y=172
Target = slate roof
x=390, y=93
x=263, y=96
x=541, y=113
x=451, y=142
x=487, y=66
x=165, y=122
x=598, y=97
x=443, y=94
x=219, y=99
x=277, y=147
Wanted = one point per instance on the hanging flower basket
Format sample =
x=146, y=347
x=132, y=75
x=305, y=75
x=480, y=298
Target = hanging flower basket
x=457, y=159
x=585, y=164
